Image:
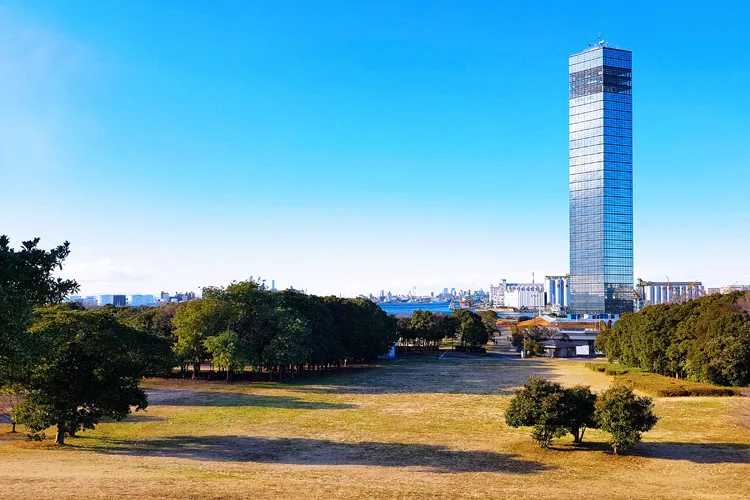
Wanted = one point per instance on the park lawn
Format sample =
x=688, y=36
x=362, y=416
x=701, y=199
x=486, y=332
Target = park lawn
x=406, y=428
x=654, y=384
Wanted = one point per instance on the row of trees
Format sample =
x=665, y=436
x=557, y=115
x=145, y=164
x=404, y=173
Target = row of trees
x=72, y=367
x=706, y=339
x=425, y=329
x=281, y=333
x=553, y=411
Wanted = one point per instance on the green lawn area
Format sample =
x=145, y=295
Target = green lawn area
x=659, y=385
x=404, y=428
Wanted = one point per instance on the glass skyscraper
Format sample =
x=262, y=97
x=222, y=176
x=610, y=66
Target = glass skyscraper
x=601, y=181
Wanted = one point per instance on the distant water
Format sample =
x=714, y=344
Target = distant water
x=406, y=308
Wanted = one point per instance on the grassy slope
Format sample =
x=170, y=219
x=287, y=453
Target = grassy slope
x=660, y=385
x=405, y=429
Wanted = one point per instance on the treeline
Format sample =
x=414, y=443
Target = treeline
x=280, y=334
x=704, y=340
x=425, y=330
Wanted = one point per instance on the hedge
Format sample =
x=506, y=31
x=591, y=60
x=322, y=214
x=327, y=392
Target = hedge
x=659, y=385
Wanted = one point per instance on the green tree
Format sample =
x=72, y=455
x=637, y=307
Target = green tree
x=579, y=404
x=251, y=313
x=707, y=339
x=539, y=404
x=87, y=365
x=424, y=327
x=624, y=416
x=227, y=351
x=290, y=346
x=194, y=322
x=26, y=282
x=489, y=318
x=471, y=329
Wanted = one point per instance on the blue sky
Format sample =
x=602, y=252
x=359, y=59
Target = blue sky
x=348, y=147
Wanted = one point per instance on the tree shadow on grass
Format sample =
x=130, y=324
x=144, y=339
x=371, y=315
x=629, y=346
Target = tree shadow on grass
x=302, y=451
x=187, y=397
x=439, y=377
x=699, y=453
x=139, y=416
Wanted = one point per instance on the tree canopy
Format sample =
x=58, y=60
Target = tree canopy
x=625, y=416
x=26, y=281
x=85, y=365
x=706, y=339
x=540, y=405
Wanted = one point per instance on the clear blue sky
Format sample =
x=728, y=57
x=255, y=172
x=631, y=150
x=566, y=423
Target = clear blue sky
x=347, y=147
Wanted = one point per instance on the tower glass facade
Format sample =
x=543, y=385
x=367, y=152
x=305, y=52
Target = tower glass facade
x=601, y=181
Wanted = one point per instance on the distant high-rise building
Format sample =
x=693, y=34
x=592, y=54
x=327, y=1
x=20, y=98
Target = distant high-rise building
x=601, y=181
x=141, y=300
x=119, y=300
x=103, y=300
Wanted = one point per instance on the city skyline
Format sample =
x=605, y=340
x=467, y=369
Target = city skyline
x=352, y=148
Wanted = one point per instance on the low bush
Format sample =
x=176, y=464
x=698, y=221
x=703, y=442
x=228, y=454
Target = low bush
x=597, y=367
x=608, y=368
x=659, y=385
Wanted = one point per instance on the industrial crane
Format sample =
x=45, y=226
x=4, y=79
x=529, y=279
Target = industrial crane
x=683, y=296
x=639, y=296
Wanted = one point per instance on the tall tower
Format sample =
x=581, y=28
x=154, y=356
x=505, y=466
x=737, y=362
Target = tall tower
x=601, y=181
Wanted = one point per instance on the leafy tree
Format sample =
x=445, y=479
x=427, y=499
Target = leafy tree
x=489, y=318
x=324, y=347
x=532, y=339
x=471, y=329
x=227, y=351
x=156, y=320
x=87, y=365
x=423, y=328
x=194, y=322
x=26, y=281
x=290, y=344
x=624, y=416
x=251, y=314
x=447, y=325
x=706, y=339
x=579, y=403
x=539, y=404
x=403, y=327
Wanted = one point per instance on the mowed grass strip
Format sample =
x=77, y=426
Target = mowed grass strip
x=405, y=429
x=659, y=385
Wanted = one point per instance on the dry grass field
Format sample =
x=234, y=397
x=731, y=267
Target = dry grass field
x=403, y=429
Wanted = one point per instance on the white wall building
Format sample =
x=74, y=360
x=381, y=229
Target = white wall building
x=517, y=295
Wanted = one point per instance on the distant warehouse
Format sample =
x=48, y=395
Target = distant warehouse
x=521, y=296
x=663, y=292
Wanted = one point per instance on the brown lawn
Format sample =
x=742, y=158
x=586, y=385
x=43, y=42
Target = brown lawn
x=403, y=429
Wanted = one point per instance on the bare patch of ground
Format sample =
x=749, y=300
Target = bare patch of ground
x=409, y=428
